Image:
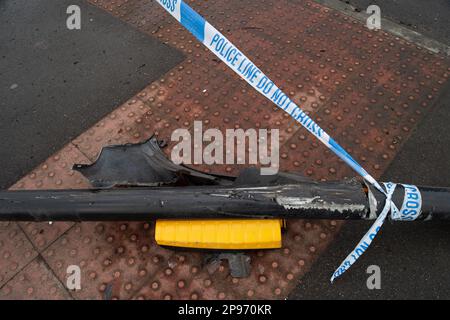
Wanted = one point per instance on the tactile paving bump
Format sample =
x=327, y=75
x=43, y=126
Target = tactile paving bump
x=116, y=259
x=55, y=173
x=36, y=281
x=368, y=89
x=16, y=251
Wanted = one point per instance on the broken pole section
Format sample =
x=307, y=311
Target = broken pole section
x=349, y=200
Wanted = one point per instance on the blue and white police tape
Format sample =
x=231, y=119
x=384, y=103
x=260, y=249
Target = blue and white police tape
x=412, y=204
x=411, y=207
x=246, y=69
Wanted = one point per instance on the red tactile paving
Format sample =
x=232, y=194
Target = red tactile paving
x=179, y=279
x=36, y=281
x=367, y=89
x=16, y=251
x=116, y=259
x=55, y=173
x=20, y=243
x=123, y=125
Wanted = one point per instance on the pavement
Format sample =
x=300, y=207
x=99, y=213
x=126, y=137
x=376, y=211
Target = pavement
x=56, y=83
x=430, y=18
x=52, y=76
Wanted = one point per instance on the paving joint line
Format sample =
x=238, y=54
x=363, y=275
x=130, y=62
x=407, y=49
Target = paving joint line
x=51, y=270
x=38, y=256
x=81, y=151
x=27, y=264
x=39, y=252
x=146, y=282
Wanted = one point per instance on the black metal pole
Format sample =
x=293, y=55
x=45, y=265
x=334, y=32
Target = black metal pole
x=435, y=201
x=305, y=200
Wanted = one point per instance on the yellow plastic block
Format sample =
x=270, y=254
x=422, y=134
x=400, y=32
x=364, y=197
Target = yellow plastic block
x=219, y=234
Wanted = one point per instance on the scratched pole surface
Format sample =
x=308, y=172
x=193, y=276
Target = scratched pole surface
x=304, y=200
x=368, y=89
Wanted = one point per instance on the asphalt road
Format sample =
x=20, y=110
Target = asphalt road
x=55, y=83
x=428, y=17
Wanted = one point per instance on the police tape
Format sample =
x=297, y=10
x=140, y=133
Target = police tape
x=246, y=69
x=410, y=210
